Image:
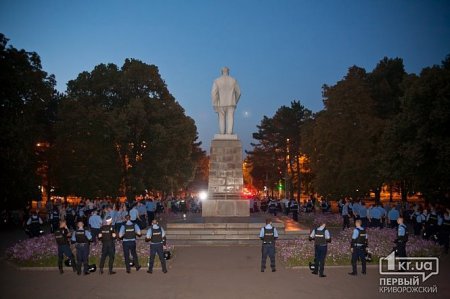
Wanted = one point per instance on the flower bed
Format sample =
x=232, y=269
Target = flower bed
x=42, y=252
x=300, y=252
x=316, y=219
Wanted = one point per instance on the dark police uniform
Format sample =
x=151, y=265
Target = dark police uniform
x=321, y=237
x=55, y=219
x=81, y=237
x=62, y=240
x=417, y=219
x=128, y=232
x=70, y=218
x=402, y=238
x=34, y=225
x=155, y=235
x=108, y=247
x=359, y=244
x=431, y=225
x=268, y=235
x=273, y=207
x=293, y=207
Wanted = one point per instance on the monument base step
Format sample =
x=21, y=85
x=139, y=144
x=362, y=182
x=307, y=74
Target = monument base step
x=219, y=233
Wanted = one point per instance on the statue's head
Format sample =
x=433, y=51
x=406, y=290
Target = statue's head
x=225, y=71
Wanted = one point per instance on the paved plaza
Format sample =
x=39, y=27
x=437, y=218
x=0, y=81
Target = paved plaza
x=202, y=272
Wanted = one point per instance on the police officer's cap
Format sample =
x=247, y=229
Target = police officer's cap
x=108, y=219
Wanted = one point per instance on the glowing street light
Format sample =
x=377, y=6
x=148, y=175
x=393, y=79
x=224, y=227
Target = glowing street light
x=203, y=195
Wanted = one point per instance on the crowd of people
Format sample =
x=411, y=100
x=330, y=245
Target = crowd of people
x=104, y=220
x=92, y=212
x=127, y=233
x=430, y=222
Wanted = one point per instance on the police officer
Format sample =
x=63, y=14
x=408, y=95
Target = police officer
x=358, y=247
x=431, y=224
x=128, y=233
x=81, y=238
x=107, y=235
x=268, y=235
x=150, y=207
x=273, y=207
x=34, y=224
x=156, y=236
x=142, y=215
x=293, y=207
x=393, y=216
x=62, y=236
x=321, y=237
x=70, y=217
x=375, y=216
x=324, y=205
x=95, y=222
x=134, y=214
x=402, y=238
x=345, y=216
x=418, y=219
x=54, y=217
x=362, y=214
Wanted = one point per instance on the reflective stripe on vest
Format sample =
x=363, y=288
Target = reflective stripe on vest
x=80, y=236
x=269, y=235
x=319, y=237
x=433, y=220
x=130, y=233
x=156, y=235
x=34, y=224
x=106, y=231
x=61, y=237
x=361, y=239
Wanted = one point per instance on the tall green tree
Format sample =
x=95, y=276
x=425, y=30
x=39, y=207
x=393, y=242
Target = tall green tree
x=83, y=159
x=387, y=88
x=345, y=136
x=278, y=150
x=418, y=139
x=142, y=138
x=27, y=110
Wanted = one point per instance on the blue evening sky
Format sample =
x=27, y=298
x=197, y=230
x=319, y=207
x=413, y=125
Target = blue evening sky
x=278, y=51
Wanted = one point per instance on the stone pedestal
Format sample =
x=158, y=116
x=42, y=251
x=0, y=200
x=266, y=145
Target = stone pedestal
x=225, y=208
x=225, y=179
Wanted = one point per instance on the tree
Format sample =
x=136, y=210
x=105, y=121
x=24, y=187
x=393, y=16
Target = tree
x=418, y=139
x=140, y=138
x=386, y=84
x=200, y=181
x=28, y=104
x=345, y=137
x=84, y=160
x=278, y=151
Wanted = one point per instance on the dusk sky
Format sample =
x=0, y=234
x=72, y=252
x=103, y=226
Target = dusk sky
x=278, y=51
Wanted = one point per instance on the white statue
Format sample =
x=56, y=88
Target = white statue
x=225, y=95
